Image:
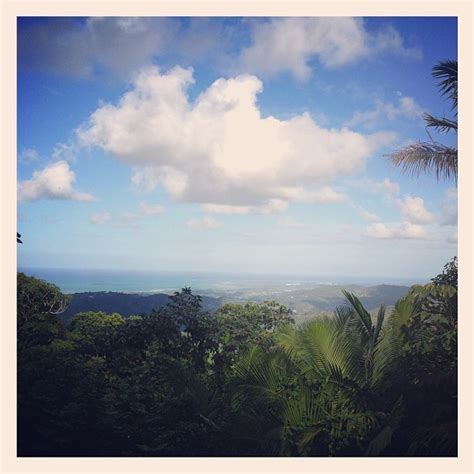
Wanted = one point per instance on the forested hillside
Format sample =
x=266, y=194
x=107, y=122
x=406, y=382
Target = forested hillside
x=303, y=302
x=242, y=381
x=127, y=304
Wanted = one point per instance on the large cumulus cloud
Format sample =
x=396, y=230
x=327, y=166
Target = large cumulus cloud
x=219, y=149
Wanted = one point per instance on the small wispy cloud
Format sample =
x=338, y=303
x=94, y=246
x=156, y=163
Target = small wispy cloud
x=65, y=152
x=204, y=223
x=55, y=181
x=153, y=210
x=28, y=155
x=413, y=210
x=100, y=218
x=449, y=208
x=386, y=187
x=367, y=215
x=407, y=108
x=405, y=230
x=128, y=219
x=414, y=217
x=270, y=207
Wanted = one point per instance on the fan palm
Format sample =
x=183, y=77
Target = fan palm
x=313, y=388
x=434, y=157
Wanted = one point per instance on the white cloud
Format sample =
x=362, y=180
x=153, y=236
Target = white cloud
x=65, y=152
x=367, y=215
x=147, y=210
x=29, y=155
x=129, y=219
x=55, y=181
x=407, y=108
x=405, y=230
x=323, y=195
x=414, y=219
x=413, y=210
x=205, y=223
x=389, y=39
x=272, y=206
x=449, y=208
x=386, y=187
x=289, y=44
x=100, y=218
x=122, y=45
x=219, y=150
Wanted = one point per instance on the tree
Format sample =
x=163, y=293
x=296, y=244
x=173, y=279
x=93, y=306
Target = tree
x=38, y=305
x=96, y=331
x=428, y=357
x=432, y=156
x=313, y=393
x=239, y=326
x=36, y=297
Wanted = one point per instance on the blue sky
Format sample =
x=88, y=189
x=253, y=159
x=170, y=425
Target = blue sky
x=231, y=144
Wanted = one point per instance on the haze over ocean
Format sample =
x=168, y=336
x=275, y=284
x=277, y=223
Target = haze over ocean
x=133, y=281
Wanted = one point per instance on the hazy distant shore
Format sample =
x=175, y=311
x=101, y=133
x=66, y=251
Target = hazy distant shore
x=148, y=282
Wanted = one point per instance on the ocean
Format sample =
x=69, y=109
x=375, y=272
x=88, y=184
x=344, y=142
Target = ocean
x=133, y=281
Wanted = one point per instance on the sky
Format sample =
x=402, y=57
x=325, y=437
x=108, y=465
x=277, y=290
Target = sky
x=255, y=145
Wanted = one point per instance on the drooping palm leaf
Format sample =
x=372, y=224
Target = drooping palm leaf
x=440, y=124
x=389, y=349
x=326, y=353
x=427, y=158
x=379, y=322
x=312, y=385
x=433, y=157
x=447, y=73
x=363, y=317
x=260, y=375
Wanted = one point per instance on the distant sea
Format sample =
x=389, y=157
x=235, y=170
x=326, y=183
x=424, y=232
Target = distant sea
x=79, y=280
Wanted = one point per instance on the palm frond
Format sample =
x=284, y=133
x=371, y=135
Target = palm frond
x=324, y=349
x=379, y=323
x=389, y=348
x=427, y=157
x=440, y=124
x=362, y=321
x=447, y=73
x=343, y=315
x=261, y=378
x=384, y=437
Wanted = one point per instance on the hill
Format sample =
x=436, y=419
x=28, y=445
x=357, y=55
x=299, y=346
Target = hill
x=126, y=304
x=303, y=301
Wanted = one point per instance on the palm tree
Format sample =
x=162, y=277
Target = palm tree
x=432, y=156
x=313, y=394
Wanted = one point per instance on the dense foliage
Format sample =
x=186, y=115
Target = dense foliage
x=243, y=381
x=127, y=304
